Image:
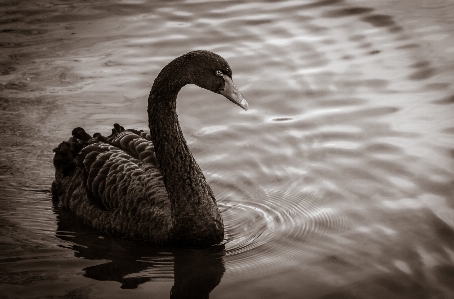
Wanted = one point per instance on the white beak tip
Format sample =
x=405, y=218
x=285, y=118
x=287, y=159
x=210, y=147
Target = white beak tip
x=244, y=104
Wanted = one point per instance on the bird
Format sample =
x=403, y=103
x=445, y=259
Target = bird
x=147, y=186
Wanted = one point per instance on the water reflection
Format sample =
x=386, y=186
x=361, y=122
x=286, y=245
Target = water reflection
x=196, y=272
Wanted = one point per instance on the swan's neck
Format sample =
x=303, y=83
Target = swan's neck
x=195, y=215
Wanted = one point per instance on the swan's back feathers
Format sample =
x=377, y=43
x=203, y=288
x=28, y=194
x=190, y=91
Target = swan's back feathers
x=113, y=184
x=135, y=143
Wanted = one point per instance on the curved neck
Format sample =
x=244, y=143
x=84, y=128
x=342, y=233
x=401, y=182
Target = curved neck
x=196, y=218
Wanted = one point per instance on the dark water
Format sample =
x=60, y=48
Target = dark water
x=337, y=183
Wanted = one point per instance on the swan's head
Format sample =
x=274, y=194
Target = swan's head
x=210, y=71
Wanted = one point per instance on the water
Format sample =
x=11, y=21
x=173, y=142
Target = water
x=337, y=183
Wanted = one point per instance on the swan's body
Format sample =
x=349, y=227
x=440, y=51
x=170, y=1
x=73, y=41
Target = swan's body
x=147, y=186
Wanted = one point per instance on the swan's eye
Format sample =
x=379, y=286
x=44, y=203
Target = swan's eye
x=219, y=73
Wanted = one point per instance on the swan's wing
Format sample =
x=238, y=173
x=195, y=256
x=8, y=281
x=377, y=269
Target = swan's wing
x=113, y=189
x=112, y=184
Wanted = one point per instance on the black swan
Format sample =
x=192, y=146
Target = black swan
x=147, y=186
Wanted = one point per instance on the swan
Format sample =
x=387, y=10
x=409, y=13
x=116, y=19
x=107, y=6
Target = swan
x=147, y=186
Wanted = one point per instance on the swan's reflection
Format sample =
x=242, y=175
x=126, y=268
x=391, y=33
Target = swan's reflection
x=196, y=272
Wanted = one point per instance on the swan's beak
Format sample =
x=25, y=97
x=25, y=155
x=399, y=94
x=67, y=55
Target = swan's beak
x=231, y=93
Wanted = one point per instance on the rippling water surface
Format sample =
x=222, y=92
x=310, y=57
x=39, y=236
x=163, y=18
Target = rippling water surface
x=337, y=183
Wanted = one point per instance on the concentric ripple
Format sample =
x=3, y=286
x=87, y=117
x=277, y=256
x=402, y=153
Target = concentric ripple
x=257, y=228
